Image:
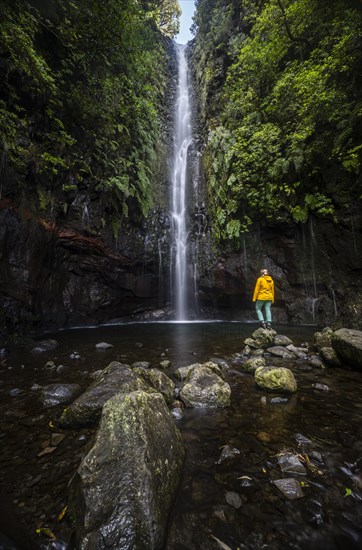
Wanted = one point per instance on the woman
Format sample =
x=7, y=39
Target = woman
x=264, y=298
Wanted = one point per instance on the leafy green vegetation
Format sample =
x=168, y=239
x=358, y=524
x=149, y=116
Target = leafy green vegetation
x=281, y=109
x=81, y=95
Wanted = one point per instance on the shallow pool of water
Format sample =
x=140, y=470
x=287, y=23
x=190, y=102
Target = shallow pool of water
x=205, y=515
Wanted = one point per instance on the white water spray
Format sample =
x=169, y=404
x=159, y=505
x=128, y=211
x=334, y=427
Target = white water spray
x=183, y=138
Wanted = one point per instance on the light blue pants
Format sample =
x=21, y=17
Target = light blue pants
x=266, y=304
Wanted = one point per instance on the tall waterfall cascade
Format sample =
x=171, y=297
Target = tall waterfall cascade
x=181, y=176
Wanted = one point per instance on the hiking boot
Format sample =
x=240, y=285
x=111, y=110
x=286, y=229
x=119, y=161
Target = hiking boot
x=264, y=325
x=268, y=326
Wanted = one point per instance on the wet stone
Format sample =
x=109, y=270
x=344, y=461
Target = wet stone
x=45, y=345
x=55, y=394
x=14, y=392
x=141, y=365
x=61, y=368
x=220, y=363
x=279, y=351
x=290, y=488
x=290, y=464
x=103, y=346
x=303, y=441
x=165, y=364
x=233, y=499
x=321, y=387
x=316, y=362
x=278, y=400
x=281, y=340
x=300, y=353
x=33, y=481
x=228, y=453
x=177, y=413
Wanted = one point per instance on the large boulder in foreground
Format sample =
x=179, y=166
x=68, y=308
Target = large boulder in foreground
x=87, y=409
x=121, y=494
x=276, y=379
x=347, y=343
x=205, y=388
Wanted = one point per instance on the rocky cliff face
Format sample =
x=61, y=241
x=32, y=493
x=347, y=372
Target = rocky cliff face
x=57, y=273
x=72, y=261
x=317, y=271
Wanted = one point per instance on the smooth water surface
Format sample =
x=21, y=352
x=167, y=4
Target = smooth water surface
x=207, y=514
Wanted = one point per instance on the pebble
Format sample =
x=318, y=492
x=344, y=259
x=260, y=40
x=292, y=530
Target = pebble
x=321, y=387
x=278, y=400
x=233, y=499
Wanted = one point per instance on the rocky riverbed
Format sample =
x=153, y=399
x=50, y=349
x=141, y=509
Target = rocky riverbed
x=278, y=468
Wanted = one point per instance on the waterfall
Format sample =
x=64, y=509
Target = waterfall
x=182, y=141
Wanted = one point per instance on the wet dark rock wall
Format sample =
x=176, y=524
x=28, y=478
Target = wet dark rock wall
x=317, y=270
x=53, y=276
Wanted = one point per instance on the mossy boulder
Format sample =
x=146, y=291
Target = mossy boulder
x=261, y=338
x=122, y=492
x=330, y=357
x=278, y=379
x=205, y=388
x=347, y=343
x=159, y=381
x=86, y=410
x=323, y=339
x=252, y=364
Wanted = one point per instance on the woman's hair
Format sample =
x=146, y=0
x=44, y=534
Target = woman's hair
x=263, y=271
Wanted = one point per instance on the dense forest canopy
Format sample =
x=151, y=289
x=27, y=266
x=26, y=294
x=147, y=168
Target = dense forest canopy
x=83, y=88
x=281, y=108
x=81, y=95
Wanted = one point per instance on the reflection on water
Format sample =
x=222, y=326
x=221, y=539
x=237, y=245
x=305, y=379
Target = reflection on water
x=205, y=516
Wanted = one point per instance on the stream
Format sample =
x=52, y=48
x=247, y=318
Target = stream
x=221, y=504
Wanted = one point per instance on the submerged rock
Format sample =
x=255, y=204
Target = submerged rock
x=347, y=343
x=276, y=379
x=278, y=401
x=122, y=493
x=290, y=488
x=290, y=464
x=228, y=453
x=103, y=346
x=55, y=394
x=321, y=387
x=87, y=409
x=233, y=499
x=45, y=345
